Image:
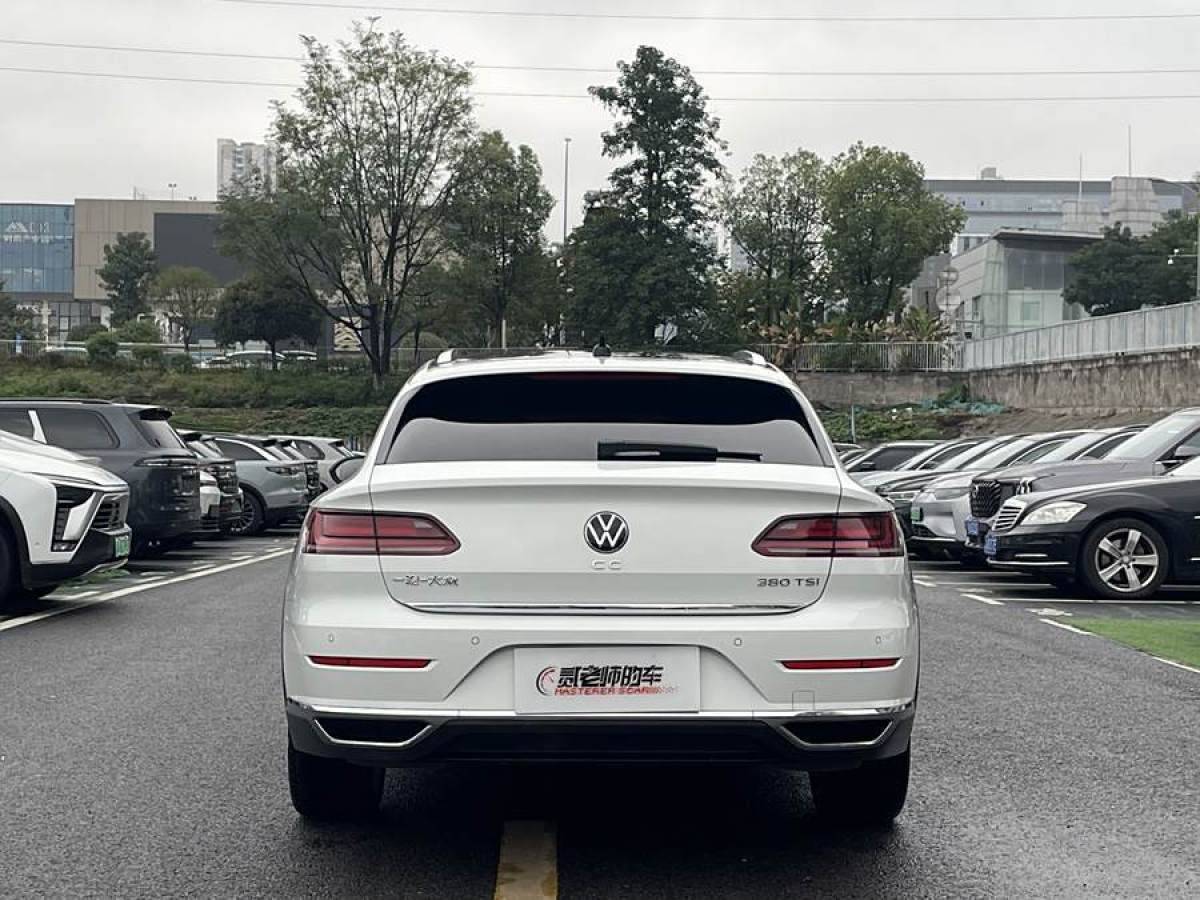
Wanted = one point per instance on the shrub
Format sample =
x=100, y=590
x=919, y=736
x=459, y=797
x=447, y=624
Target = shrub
x=102, y=347
x=140, y=332
x=180, y=362
x=148, y=355
x=80, y=333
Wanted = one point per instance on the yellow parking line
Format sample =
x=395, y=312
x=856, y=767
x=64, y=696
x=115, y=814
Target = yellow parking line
x=528, y=867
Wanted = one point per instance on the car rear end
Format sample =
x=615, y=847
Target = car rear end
x=164, y=480
x=570, y=562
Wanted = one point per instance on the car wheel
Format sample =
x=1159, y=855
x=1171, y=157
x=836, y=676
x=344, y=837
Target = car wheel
x=330, y=789
x=870, y=796
x=1124, y=559
x=252, y=520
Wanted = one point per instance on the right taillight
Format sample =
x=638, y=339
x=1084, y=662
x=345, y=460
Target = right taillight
x=864, y=534
x=387, y=534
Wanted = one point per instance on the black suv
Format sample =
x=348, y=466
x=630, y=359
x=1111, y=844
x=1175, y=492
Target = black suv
x=133, y=442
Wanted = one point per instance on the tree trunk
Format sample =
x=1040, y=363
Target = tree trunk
x=416, y=344
x=274, y=358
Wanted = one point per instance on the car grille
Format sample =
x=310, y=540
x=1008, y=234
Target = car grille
x=986, y=497
x=111, y=514
x=1010, y=511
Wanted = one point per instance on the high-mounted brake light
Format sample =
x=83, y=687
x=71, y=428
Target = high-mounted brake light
x=797, y=665
x=864, y=534
x=387, y=534
x=368, y=662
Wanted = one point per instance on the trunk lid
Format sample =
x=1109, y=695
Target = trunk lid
x=687, y=544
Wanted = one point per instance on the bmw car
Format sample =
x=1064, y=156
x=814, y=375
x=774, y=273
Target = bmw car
x=599, y=558
x=1120, y=541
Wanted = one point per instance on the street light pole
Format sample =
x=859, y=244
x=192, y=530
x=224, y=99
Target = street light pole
x=566, y=185
x=172, y=186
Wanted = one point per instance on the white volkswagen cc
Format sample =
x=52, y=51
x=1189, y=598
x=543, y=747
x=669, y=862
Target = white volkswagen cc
x=584, y=558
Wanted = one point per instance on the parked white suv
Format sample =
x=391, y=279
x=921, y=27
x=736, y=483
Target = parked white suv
x=60, y=518
x=584, y=558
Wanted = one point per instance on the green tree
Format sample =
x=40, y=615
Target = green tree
x=498, y=215
x=369, y=160
x=258, y=308
x=14, y=320
x=1121, y=272
x=187, y=296
x=641, y=259
x=881, y=223
x=102, y=347
x=1107, y=276
x=775, y=215
x=129, y=267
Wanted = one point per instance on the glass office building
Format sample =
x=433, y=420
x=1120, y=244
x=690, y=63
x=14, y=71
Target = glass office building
x=37, y=251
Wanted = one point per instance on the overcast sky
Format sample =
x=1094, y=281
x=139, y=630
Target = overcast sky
x=63, y=137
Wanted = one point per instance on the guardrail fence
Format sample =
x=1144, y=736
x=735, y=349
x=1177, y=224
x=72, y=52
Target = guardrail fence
x=1141, y=331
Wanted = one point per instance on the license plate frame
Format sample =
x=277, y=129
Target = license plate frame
x=582, y=681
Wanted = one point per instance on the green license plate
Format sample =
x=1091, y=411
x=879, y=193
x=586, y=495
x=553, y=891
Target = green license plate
x=121, y=545
x=917, y=514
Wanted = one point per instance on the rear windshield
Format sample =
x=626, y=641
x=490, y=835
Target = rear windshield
x=616, y=416
x=158, y=433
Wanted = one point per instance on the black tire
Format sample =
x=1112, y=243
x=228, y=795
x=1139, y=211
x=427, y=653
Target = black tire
x=1131, y=581
x=253, y=519
x=870, y=796
x=10, y=574
x=331, y=790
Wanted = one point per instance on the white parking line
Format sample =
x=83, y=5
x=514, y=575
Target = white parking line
x=1065, y=627
x=924, y=582
x=136, y=589
x=528, y=866
x=1138, y=603
x=1178, y=665
x=988, y=600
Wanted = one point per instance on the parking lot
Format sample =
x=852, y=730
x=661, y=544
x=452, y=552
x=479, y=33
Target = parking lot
x=142, y=755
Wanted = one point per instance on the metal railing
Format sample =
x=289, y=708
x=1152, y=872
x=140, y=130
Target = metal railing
x=880, y=356
x=1141, y=331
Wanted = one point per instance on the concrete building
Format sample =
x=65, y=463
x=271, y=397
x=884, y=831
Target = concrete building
x=1014, y=281
x=992, y=203
x=98, y=222
x=236, y=161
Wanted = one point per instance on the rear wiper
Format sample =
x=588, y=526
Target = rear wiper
x=669, y=452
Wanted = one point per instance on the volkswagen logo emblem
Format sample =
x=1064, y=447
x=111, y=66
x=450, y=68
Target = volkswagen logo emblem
x=606, y=532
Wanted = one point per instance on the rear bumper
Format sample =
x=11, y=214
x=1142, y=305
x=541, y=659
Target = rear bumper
x=829, y=740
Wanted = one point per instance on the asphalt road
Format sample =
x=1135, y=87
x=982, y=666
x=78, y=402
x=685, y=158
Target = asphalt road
x=142, y=739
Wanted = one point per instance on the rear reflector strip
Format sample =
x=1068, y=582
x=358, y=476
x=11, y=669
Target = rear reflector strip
x=368, y=662
x=817, y=664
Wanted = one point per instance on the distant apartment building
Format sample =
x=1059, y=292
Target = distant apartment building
x=236, y=161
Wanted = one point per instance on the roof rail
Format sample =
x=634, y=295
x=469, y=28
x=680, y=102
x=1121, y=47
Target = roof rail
x=750, y=357
x=92, y=400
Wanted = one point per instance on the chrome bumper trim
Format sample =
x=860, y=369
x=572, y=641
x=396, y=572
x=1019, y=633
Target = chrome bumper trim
x=610, y=609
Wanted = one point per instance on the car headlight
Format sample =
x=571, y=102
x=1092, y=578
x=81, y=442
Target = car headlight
x=1054, y=513
x=950, y=493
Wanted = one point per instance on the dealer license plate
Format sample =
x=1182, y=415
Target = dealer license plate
x=607, y=679
x=991, y=546
x=121, y=545
x=972, y=528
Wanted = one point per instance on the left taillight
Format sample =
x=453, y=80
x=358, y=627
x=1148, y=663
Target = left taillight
x=386, y=534
x=860, y=535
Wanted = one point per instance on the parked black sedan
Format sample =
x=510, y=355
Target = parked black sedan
x=1121, y=541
